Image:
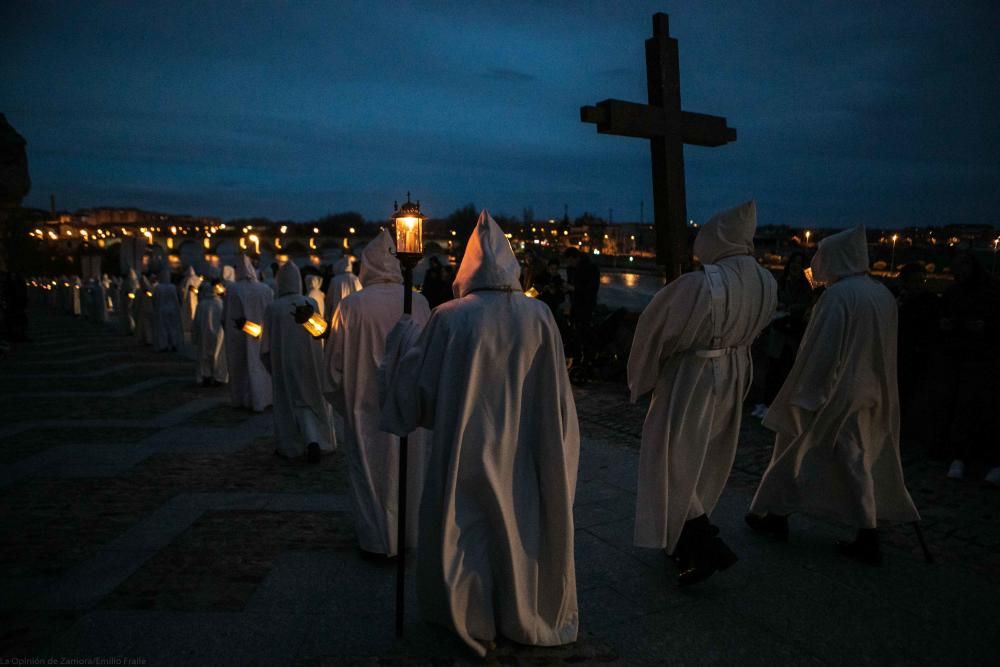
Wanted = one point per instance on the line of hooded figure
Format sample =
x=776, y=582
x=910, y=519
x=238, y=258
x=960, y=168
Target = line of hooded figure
x=480, y=387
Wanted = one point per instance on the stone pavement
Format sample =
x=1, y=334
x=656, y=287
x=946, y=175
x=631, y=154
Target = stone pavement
x=144, y=518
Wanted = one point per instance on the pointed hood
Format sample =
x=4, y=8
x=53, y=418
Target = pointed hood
x=289, y=279
x=379, y=263
x=245, y=270
x=489, y=262
x=132, y=275
x=342, y=265
x=228, y=274
x=190, y=272
x=841, y=255
x=727, y=234
x=313, y=282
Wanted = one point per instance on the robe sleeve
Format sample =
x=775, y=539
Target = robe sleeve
x=667, y=326
x=815, y=375
x=411, y=398
x=265, y=338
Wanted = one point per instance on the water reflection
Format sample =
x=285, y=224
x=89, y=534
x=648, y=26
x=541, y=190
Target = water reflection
x=628, y=289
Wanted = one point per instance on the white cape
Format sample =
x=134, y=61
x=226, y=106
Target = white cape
x=189, y=298
x=343, y=284
x=209, y=336
x=166, y=316
x=692, y=427
x=295, y=360
x=488, y=374
x=353, y=353
x=837, y=415
x=249, y=382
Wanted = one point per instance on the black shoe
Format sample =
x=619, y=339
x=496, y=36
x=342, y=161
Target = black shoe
x=689, y=536
x=711, y=556
x=864, y=548
x=313, y=455
x=769, y=524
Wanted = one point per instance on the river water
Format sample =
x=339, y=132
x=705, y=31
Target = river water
x=629, y=290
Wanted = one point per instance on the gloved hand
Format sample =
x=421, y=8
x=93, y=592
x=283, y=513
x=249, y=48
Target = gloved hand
x=239, y=322
x=303, y=313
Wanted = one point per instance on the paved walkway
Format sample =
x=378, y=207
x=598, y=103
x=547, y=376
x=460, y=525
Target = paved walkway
x=144, y=518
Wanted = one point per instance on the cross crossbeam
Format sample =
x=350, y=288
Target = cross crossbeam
x=667, y=128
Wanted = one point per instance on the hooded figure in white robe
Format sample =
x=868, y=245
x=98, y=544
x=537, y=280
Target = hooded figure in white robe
x=189, y=298
x=246, y=300
x=228, y=276
x=208, y=336
x=75, y=296
x=144, y=306
x=303, y=420
x=692, y=350
x=343, y=283
x=99, y=302
x=488, y=375
x=166, y=315
x=314, y=292
x=127, y=300
x=836, y=452
x=353, y=352
x=110, y=292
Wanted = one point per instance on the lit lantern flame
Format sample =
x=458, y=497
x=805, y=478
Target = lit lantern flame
x=409, y=228
x=220, y=289
x=149, y=294
x=170, y=242
x=253, y=329
x=284, y=229
x=256, y=243
x=207, y=243
x=532, y=292
x=315, y=325
x=312, y=242
x=243, y=243
x=277, y=243
x=131, y=295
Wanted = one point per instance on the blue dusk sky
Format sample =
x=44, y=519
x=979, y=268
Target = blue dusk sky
x=883, y=113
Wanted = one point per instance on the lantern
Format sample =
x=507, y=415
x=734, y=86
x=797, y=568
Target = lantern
x=220, y=289
x=531, y=293
x=315, y=325
x=409, y=230
x=252, y=329
x=131, y=295
x=149, y=295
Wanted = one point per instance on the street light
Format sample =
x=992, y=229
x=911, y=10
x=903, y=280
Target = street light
x=409, y=224
x=808, y=234
x=892, y=255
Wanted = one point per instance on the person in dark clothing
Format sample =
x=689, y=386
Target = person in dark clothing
x=919, y=313
x=584, y=280
x=15, y=307
x=551, y=289
x=795, y=297
x=437, y=287
x=969, y=337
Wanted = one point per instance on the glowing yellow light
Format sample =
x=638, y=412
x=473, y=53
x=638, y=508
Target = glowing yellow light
x=220, y=289
x=243, y=243
x=565, y=233
x=531, y=293
x=206, y=243
x=256, y=243
x=277, y=243
x=282, y=258
x=351, y=230
x=894, y=237
x=315, y=325
x=312, y=242
x=170, y=242
x=131, y=295
x=315, y=230
x=345, y=243
x=454, y=233
x=52, y=235
x=284, y=229
x=149, y=294
x=596, y=251
x=252, y=329
x=173, y=229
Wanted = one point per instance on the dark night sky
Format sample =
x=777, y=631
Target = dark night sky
x=884, y=113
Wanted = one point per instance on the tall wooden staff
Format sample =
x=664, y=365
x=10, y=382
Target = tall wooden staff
x=409, y=249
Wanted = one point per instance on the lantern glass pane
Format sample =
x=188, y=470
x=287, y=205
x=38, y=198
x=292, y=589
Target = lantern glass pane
x=409, y=235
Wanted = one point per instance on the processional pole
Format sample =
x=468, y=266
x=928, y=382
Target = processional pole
x=409, y=249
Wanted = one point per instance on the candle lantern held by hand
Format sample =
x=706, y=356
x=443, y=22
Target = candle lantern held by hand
x=409, y=230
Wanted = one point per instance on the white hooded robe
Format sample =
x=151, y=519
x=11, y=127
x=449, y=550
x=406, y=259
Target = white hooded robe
x=353, y=354
x=144, y=310
x=209, y=335
x=295, y=361
x=127, y=299
x=314, y=292
x=344, y=283
x=488, y=375
x=249, y=381
x=166, y=315
x=836, y=452
x=189, y=298
x=695, y=357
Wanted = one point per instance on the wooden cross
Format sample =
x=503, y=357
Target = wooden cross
x=668, y=129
